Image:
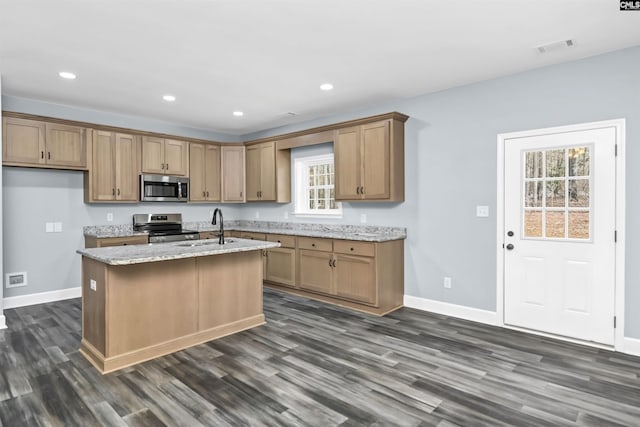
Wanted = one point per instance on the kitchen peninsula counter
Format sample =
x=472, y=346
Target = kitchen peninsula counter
x=144, y=301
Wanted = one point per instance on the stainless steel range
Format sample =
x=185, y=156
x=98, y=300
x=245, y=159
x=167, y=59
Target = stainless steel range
x=163, y=227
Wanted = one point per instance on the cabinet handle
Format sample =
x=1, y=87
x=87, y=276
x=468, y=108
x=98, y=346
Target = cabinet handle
x=49, y=155
x=113, y=191
x=118, y=191
x=334, y=263
x=361, y=190
x=42, y=154
x=207, y=194
x=351, y=249
x=330, y=263
x=241, y=194
x=204, y=194
x=313, y=245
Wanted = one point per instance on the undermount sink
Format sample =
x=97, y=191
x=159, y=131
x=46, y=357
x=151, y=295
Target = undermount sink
x=205, y=243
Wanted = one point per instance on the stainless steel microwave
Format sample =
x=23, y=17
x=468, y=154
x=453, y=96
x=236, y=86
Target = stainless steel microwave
x=163, y=188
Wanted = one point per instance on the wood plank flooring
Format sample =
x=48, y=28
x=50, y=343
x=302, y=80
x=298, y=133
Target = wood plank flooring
x=317, y=365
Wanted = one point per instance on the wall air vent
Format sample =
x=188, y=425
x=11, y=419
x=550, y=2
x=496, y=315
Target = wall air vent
x=15, y=280
x=551, y=47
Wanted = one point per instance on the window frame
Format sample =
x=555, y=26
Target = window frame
x=301, y=188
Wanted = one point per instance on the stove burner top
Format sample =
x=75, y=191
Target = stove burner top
x=163, y=227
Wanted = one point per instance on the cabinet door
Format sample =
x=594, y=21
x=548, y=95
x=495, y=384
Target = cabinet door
x=375, y=161
x=355, y=278
x=347, y=158
x=22, y=141
x=212, y=172
x=65, y=146
x=197, y=173
x=122, y=241
x=281, y=266
x=176, y=157
x=268, y=171
x=127, y=167
x=315, y=273
x=253, y=173
x=103, y=166
x=233, y=174
x=153, y=155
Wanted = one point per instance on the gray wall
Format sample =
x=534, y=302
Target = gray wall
x=450, y=168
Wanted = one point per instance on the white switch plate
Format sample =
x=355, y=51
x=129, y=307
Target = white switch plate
x=363, y=218
x=48, y=227
x=57, y=227
x=92, y=283
x=482, y=211
x=109, y=216
x=447, y=282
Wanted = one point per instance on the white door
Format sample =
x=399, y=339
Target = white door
x=559, y=224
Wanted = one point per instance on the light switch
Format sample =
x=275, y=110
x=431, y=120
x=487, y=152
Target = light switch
x=92, y=284
x=482, y=211
x=109, y=216
x=363, y=218
x=57, y=227
x=48, y=227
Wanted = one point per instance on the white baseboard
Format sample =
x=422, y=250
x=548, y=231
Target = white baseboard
x=631, y=346
x=42, y=297
x=3, y=322
x=453, y=310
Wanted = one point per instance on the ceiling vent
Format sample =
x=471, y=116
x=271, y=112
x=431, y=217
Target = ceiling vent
x=291, y=113
x=551, y=47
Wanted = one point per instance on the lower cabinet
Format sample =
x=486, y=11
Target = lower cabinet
x=280, y=264
x=355, y=278
x=103, y=242
x=316, y=273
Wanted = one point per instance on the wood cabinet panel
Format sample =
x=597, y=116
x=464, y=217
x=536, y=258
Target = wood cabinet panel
x=127, y=169
x=315, y=272
x=253, y=173
x=355, y=278
x=212, y=172
x=153, y=155
x=352, y=247
x=23, y=141
x=253, y=236
x=316, y=244
x=233, y=176
x=103, y=166
x=348, y=165
x=285, y=240
x=281, y=266
x=375, y=161
x=204, y=172
x=261, y=172
x=103, y=242
x=176, y=157
x=66, y=145
x=113, y=176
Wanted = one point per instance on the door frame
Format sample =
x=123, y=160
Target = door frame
x=619, y=285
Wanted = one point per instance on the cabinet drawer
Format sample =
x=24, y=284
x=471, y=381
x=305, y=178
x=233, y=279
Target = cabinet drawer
x=315, y=244
x=285, y=240
x=253, y=236
x=354, y=248
x=211, y=235
x=116, y=241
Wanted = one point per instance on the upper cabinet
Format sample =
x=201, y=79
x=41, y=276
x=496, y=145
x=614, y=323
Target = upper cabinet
x=41, y=144
x=115, y=166
x=369, y=162
x=165, y=156
x=233, y=167
x=204, y=172
x=268, y=173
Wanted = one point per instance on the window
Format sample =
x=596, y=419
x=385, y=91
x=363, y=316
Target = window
x=314, y=187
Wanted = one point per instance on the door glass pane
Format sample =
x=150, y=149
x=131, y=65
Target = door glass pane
x=533, y=224
x=579, y=161
x=579, y=193
x=555, y=163
x=555, y=194
x=533, y=194
x=579, y=225
x=533, y=164
x=554, y=224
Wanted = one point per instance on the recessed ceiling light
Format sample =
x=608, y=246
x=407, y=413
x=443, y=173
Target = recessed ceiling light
x=67, y=75
x=238, y=113
x=326, y=86
x=169, y=98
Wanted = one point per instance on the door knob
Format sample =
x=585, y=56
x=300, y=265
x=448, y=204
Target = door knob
x=510, y=247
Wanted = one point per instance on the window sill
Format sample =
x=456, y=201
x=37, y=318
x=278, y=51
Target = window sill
x=316, y=215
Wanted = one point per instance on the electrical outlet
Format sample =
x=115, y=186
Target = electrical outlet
x=109, y=217
x=482, y=211
x=93, y=285
x=447, y=282
x=48, y=227
x=363, y=218
x=57, y=227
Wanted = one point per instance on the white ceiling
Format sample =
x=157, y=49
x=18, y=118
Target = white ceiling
x=268, y=57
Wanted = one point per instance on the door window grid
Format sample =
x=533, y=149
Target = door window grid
x=557, y=194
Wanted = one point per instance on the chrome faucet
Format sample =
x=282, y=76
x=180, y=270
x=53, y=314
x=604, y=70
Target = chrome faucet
x=213, y=222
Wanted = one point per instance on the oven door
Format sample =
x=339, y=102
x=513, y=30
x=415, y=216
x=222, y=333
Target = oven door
x=163, y=188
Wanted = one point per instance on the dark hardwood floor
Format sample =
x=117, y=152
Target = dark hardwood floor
x=317, y=365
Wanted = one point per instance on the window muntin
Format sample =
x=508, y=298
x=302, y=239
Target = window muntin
x=315, y=186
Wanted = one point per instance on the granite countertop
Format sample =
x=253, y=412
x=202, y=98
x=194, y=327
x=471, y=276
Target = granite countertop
x=136, y=254
x=327, y=231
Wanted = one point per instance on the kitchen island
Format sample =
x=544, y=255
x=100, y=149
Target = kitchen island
x=144, y=301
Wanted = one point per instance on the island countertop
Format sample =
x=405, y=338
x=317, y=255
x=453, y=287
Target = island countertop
x=137, y=254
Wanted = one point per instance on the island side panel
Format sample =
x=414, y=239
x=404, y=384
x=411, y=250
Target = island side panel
x=93, y=304
x=150, y=303
x=230, y=288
